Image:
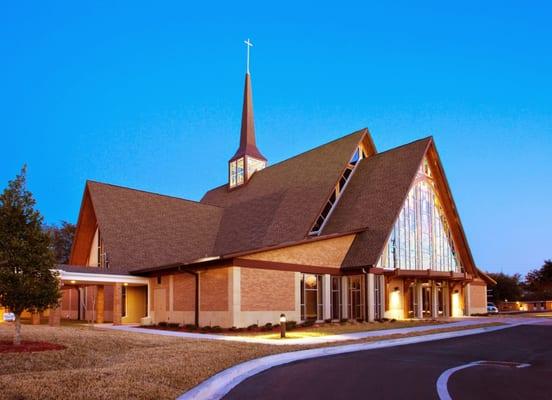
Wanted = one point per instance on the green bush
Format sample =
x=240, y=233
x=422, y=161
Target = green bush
x=252, y=327
x=216, y=329
x=291, y=325
x=173, y=325
x=191, y=327
x=162, y=324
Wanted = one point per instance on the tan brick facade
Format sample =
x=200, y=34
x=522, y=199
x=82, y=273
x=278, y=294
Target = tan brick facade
x=184, y=292
x=267, y=290
x=213, y=289
x=324, y=253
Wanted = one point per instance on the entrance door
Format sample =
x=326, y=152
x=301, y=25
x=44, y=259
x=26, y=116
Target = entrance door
x=426, y=301
x=160, y=304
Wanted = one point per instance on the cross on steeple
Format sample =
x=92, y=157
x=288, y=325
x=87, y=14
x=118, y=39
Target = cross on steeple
x=249, y=45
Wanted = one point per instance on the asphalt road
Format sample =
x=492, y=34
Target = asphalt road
x=411, y=372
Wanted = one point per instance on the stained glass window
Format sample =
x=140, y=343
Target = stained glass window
x=421, y=237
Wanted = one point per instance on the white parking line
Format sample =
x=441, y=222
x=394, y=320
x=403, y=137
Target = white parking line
x=442, y=381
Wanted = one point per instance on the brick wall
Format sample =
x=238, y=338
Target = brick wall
x=184, y=292
x=214, y=290
x=267, y=290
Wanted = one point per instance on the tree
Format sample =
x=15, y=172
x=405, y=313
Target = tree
x=508, y=287
x=62, y=239
x=27, y=282
x=539, y=282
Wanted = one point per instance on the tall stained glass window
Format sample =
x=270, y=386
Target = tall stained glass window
x=421, y=237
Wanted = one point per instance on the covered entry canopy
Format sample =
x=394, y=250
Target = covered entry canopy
x=102, y=296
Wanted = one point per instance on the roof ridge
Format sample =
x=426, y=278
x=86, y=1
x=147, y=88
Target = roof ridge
x=401, y=146
x=152, y=193
x=363, y=130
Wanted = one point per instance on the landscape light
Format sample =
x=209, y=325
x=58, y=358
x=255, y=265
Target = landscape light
x=283, y=320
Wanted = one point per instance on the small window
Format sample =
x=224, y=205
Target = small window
x=159, y=279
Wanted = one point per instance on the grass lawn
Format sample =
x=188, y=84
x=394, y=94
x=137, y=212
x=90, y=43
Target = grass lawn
x=103, y=364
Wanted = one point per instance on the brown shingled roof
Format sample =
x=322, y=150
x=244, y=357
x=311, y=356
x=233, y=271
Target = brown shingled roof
x=373, y=199
x=280, y=203
x=142, y=229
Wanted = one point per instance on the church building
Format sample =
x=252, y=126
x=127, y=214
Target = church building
x=341, y=231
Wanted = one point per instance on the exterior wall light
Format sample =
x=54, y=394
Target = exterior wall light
x=125, y=284
x=283, y=321
x=73, y=282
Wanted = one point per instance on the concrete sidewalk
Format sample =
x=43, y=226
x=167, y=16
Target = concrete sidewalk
x=321, y=339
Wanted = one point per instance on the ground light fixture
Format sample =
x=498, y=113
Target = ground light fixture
x=283, y=320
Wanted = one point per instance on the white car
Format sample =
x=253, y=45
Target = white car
x=9, y=317
x=492, y=309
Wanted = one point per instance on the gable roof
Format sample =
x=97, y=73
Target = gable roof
x=141, y=229
x=373, y=199
x=281, y=202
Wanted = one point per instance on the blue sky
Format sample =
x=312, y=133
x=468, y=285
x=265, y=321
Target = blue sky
x=148, y=95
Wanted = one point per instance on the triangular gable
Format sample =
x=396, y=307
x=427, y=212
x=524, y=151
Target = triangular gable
x=383, y=187
x=86, y=229
x=421, y=237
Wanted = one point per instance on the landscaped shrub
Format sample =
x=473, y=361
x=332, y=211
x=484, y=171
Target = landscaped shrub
x=308, y=323
x=328, y=320
x=343, y=320
x=267, y=327
x=173, y=325
x=291, y=325
x=206, y=329
x=162, y=324
x=216, y=329
x=191, y=327
x=252, y=327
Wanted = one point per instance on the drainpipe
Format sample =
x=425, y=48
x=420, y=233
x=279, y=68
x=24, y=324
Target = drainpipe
x=196, y=275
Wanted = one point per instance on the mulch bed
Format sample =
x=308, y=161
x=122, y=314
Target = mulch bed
x=28, y=347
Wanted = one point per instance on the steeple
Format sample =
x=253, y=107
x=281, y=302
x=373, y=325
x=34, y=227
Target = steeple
x=247, y=158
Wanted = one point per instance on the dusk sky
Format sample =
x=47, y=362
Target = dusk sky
x=148, y=95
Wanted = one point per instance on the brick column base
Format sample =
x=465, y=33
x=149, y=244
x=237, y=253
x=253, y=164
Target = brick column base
x=35, y=318
x=117, y=304
x=100, y=305
x=54, y=319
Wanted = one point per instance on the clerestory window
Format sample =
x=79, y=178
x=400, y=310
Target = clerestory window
x=359, y=154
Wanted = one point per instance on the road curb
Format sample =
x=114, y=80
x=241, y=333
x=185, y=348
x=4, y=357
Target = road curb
x=220, y=384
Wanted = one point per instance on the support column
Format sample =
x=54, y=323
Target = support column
x=467, y=300
x=35, y=318
x=100, y=304
x=434, y=300
x=117, y=304
x=326, y=297
x=54, y=317
x=371, y=296
x=419, y=300
x=344, y=298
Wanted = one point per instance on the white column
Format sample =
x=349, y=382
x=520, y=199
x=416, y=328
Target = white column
x=446, y=301
x=381, y=295
x=371, y=296
x=420, y=300
x=344, y=297
x=434, y=300
x=326, y=296
x=235, y=292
